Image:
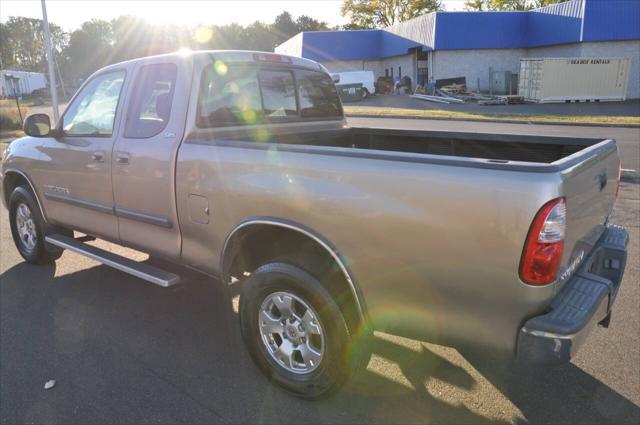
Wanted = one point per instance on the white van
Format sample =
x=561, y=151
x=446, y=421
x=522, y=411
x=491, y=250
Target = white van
x=365, y=78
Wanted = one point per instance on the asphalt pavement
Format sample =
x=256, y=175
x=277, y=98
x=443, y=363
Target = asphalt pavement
x=125, y=351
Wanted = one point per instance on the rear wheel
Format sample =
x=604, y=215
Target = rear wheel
x=28, y=228
x=295, y=331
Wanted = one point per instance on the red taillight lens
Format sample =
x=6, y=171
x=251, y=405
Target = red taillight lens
x=544, y=245
x=619, y=177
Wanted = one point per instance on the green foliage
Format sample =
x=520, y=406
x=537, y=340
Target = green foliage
x=21, y=43
x=384, y=13
x=98, y=42
x=508, y=4
x=9, y=117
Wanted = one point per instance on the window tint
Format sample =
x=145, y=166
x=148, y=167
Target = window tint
x=318, y=96
x=229, y=95
x=93, y=111
x=150, y=106
x=244, y=94
x=278, y=94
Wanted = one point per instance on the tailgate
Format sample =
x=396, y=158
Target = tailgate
x=590, y=190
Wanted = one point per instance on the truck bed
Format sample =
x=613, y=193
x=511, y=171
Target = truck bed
x=493, y=147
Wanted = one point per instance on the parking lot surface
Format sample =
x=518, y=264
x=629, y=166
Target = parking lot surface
x=124, y=351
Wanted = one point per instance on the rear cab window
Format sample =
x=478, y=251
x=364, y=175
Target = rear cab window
x=245, y=94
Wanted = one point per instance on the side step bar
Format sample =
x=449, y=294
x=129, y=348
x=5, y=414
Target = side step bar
x=141, y=270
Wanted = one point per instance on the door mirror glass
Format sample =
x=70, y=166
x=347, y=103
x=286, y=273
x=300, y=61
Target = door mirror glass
x=37, y=125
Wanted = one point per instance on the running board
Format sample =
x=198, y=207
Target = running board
x=141, y=270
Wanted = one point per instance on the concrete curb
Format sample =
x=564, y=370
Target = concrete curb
x=630, y=176
x=505, y=121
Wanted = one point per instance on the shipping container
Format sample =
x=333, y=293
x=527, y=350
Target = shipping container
x=550, y=80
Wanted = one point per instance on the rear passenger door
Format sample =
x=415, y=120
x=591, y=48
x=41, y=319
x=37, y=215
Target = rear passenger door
x=145, y=154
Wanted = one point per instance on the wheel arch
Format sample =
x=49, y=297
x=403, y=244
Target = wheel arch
x=14, y=178
x=235, y=239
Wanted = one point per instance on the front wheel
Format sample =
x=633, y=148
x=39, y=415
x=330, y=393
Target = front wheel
x=27, y=228
x=294, y=330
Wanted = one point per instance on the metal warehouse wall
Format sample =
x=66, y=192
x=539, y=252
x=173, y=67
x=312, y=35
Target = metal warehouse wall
x=606, y=20
x=421, y=29
x=341, y=45
x=555, y=24
x=474, y=30
x=291, y=47
x=474, y=64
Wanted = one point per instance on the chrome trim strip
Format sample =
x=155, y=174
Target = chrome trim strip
x=174, y=279
x=33, y=189
x=143, y=217
x=96, y=206
x=318, y=239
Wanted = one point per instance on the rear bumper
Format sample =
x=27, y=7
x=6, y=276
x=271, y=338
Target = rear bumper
x=586, y=300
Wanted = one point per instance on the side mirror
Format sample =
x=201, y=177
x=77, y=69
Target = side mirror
x=335, y=78
x=38, y=125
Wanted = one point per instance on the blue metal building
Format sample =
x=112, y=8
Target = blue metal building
x=477, y=44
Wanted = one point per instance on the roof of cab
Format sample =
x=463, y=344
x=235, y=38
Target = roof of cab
x=224, y=56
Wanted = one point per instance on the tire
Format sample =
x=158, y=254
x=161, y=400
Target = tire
x=310, y=377
x=29, y=238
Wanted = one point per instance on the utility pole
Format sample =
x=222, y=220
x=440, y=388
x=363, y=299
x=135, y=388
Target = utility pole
x=52, y=73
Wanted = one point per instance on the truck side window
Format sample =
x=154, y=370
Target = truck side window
x=318, y=96
x=278, y=94
x=229, y=96
x=151, y=99
x=94, y=109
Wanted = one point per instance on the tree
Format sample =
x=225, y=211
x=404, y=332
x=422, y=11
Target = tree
x=477, y=5
x=90, y=47
x=22, y=43
x=305, y=23
x=284, y=27
x=384, y=13
x=508, y=5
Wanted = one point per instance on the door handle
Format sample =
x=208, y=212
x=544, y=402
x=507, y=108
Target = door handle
x=122, y=158
x=98, y=156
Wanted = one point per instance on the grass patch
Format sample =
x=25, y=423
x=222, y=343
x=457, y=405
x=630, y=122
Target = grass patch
x=355, y=111
x=9, y=116
x=7, y=136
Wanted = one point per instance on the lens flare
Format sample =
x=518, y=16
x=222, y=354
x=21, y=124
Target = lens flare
x=221, y=68
x=203, y=34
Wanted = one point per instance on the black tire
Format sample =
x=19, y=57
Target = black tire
x=41, y=252
x=335, y=367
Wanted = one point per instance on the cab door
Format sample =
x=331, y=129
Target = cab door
x=144, y=156
x=76, y=166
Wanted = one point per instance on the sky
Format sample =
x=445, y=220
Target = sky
x=70, y=14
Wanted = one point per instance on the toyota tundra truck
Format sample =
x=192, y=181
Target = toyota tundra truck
x=242, y=166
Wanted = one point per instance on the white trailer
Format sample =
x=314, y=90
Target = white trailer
x=555, y=80
x=20, y=83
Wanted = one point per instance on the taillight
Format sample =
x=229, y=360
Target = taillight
x=544, y=245
x=618, y=181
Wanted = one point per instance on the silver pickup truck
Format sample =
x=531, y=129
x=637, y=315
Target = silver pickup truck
x=242, y=166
